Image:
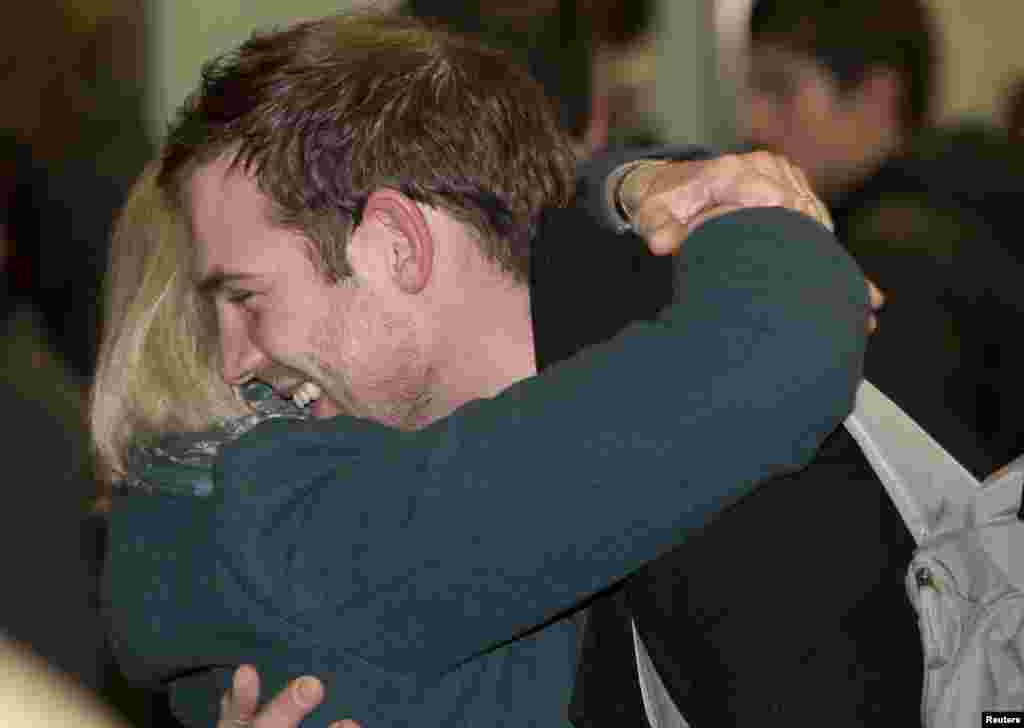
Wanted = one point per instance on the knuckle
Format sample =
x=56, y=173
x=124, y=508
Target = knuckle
x=678, y=204
x=771, y=192
x=763, y=158
x=719, y=167
x=733, y=161
x=652, y=213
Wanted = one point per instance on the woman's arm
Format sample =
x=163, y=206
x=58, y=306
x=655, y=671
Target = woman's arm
x=418, y=550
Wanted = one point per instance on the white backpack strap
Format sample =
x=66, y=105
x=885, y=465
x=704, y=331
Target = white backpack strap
x=966, y=581
x=996, y=505
x=661, y=710
x=934, y=494
x=931, y=490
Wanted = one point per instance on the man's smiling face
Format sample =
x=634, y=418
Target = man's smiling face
x=281, y=321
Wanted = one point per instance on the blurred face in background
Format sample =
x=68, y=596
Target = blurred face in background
x=793, y=105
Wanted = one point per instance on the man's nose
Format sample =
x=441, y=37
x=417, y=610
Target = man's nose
x=240, y=358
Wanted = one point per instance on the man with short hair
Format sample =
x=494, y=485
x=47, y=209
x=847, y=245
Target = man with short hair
x=362, y=194
x=846, y=91
x=841, y=87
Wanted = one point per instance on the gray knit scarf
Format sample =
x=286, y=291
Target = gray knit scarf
x=182, y=463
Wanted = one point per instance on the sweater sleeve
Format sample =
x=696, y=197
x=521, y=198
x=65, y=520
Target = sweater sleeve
x=417, y=551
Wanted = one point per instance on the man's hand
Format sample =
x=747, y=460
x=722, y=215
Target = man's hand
x=238, y=707
x=666, y=201
x=876, y=301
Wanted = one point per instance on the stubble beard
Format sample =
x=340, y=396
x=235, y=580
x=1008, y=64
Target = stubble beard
x=403, y=402
x=392, y=382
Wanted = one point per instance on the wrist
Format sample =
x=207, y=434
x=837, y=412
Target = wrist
x=626, y=187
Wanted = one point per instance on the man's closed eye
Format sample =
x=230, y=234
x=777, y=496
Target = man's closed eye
x=238, y=296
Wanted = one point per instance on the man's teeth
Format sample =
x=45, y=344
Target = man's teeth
x=306, y=394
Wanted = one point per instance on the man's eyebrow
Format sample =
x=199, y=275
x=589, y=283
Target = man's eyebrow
x=213, y=282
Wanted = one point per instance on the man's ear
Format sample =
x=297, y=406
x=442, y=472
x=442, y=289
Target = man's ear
x=409, y=252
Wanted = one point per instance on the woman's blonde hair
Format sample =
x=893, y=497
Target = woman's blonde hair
x=157, y=367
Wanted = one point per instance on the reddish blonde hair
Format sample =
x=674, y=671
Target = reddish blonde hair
x=325, y=112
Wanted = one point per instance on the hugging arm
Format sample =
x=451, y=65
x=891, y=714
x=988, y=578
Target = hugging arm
x=472, y=528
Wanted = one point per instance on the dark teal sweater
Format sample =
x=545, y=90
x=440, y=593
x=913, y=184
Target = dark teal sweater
x=425, y=576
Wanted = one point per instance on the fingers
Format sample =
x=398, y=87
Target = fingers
x=668, y=213
x=686, y=195
x=1000, y=472
x=292, y=704
x=779, y=184
x=807, y=202
x=672, y=200
x=238, y=705
x=663, y=197
x=876, y=300
x=818, y=210
x=875, y=296
x=663, y=231
x=669, y=237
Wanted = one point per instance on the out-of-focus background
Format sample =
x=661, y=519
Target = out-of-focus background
x=980, y=56
x=688, y=68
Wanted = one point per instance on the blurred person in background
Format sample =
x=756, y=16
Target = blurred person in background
x=624, y=68
x=73, y=79
x=549, y=37
x=72, y=141
x=31, y=360
x=559, y=44
x=846, y=90
x=46, y=547
x=595, y=58
x=53, y=531
x=1014, y=111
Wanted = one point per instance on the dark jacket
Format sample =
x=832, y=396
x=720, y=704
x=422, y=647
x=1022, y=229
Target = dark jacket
x=49, y=601
x=425, y=576
x=929, y=228
x=791, y=605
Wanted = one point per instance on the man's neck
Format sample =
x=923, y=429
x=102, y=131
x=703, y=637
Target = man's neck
x=492, y=350
x=478, y=319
